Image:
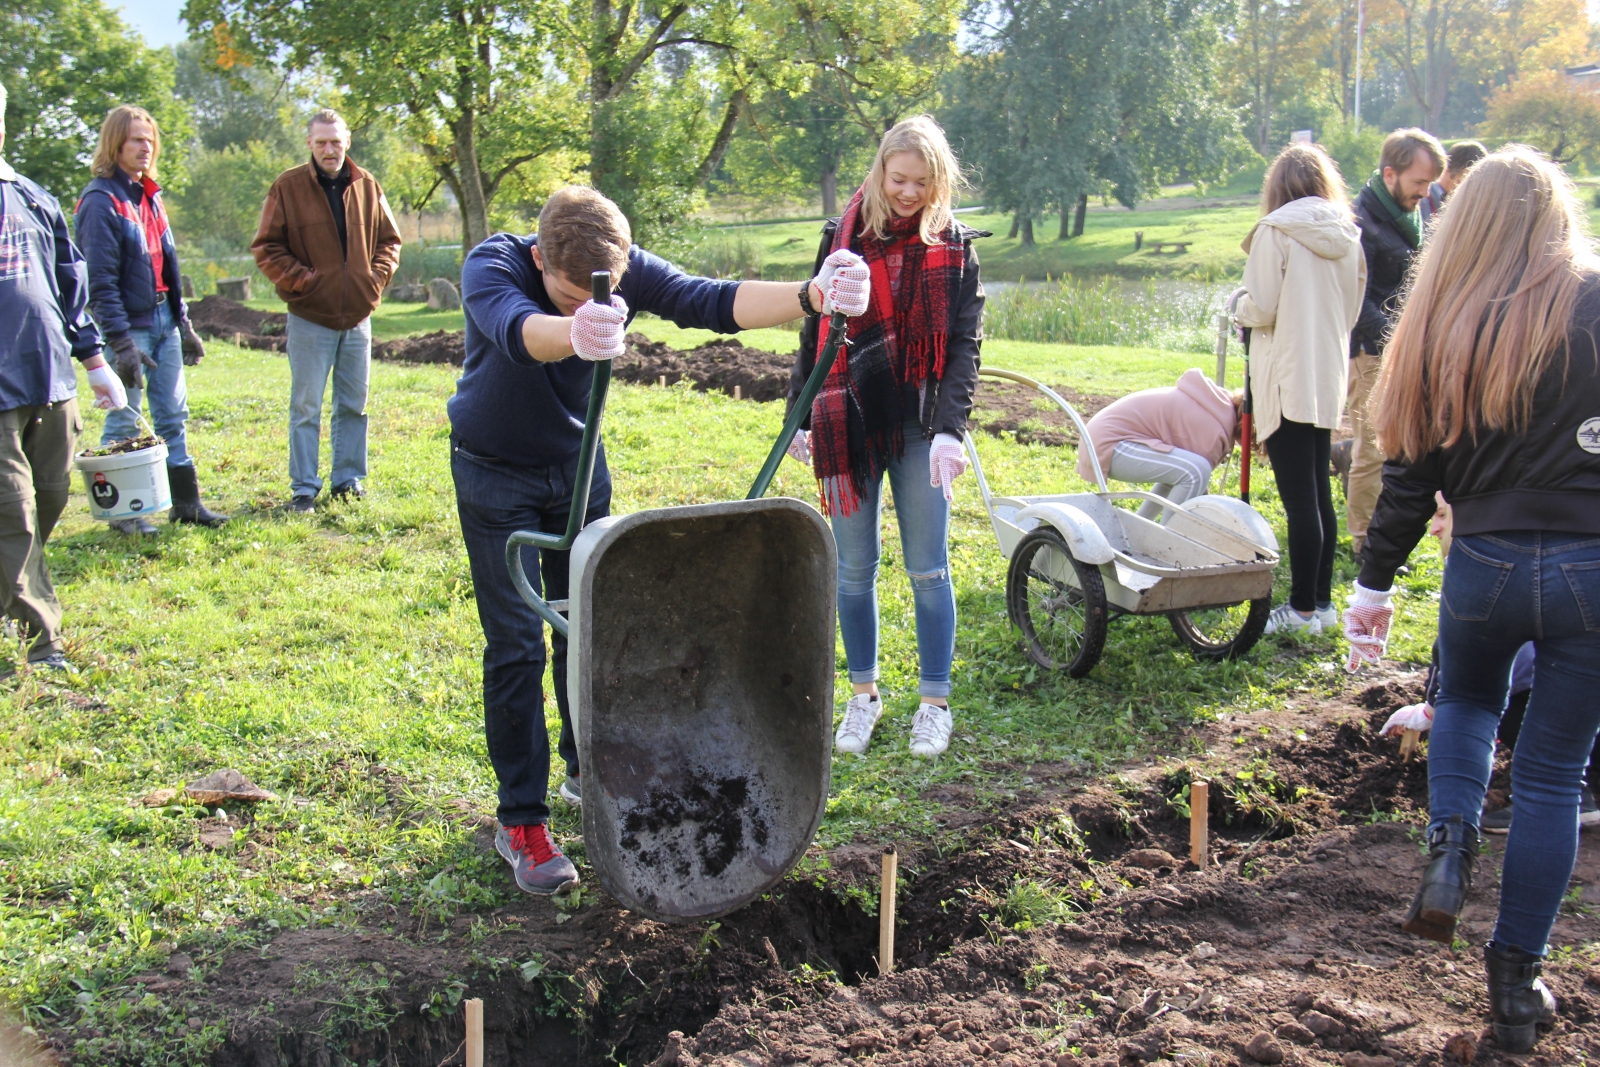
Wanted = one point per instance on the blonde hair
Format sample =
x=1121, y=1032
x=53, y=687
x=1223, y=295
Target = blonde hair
x=1301, y=170
x=922, y=137
x=114, y=134
x=1401, y=147
x=1489, y=306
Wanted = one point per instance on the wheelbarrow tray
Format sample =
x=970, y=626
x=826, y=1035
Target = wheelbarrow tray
x=701, y=651
x=1211, y=552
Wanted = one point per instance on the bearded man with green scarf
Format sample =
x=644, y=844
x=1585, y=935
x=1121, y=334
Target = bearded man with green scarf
x=1391, y=235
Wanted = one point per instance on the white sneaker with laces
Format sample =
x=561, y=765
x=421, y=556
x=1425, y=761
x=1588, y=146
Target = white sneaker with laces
x=1284, y=619
x=855, y=729
x=1327, y=618
x=930, y=730
x=572, y=792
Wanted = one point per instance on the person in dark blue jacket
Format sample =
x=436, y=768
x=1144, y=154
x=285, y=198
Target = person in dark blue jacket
x=516, y=423
x=44, y=297
x=136, y=296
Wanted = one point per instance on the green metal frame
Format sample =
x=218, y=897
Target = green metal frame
x=589, y=447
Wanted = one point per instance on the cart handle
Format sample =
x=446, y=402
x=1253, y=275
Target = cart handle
x=1225, y=316
x=1083, y=427
x=802, y=406
x=600, y=289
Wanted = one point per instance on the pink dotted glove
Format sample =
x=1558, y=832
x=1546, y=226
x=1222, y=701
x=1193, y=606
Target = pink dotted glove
x=947, y=461
x=1366, y=625
x=846, y=283
x=597, y=330
x=1418, y=717
x=800, y=446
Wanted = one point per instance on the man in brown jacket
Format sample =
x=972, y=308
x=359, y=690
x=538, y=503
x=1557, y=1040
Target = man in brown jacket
x=330, y=244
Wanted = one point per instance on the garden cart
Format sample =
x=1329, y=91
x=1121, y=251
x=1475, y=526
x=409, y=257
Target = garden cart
x=1078, y=559
x=701, y=670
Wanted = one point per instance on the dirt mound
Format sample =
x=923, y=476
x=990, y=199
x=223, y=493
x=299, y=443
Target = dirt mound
x=716, y=366
x=438, y=347
x=1006, y=407
x=228, y=320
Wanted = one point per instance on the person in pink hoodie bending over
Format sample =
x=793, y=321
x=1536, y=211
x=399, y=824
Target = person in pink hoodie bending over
x=1172, y=437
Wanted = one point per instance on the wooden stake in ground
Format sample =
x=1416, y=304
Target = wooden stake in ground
x=736, y=395
x=1199, y=823
x=1408, y=744
x=663, y=381
x=474, y=1033
x=891, y=871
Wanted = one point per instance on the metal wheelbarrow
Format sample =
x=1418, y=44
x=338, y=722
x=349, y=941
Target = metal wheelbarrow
x=700, y=672
x=1076, y=561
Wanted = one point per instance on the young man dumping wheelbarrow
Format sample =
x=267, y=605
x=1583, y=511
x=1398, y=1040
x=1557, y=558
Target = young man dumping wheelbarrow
x=516, y=423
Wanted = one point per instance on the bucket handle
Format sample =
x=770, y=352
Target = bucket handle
x=802, y=406
x=600, y=290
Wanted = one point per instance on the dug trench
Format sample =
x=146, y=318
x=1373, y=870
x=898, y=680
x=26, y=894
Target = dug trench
x=1063, y=926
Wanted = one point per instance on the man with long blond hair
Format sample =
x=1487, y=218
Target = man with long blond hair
x=136, y=295
x=1490, y=395
x=1391, y=233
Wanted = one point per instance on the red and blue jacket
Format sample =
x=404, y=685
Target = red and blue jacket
x=121, y=227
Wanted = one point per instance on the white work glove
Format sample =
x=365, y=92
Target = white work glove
x=1418, y=717
x=845, y=282
x=1366, y=625
x=800, y=446
x=109, y=392
x=598, y=330
x=947, y=461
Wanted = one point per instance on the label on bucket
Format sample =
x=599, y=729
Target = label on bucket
x=124, y=492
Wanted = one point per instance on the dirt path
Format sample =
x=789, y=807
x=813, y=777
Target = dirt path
x=1291, y=932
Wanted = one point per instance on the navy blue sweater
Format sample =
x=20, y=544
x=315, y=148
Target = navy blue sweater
x=512, y=408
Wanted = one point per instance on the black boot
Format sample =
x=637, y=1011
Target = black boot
x=1518, y=1000
x=1445, y=883
x=186, y=506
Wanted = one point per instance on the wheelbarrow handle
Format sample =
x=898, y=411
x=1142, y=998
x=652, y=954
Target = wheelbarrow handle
x=802, y=406
x=600, y=283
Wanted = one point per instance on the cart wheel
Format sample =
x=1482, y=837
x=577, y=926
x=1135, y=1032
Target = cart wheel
x=1063, y=622
x=1223, y=633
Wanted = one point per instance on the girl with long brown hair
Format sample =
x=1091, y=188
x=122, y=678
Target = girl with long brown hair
x=1490, y=394
x=1304, y=280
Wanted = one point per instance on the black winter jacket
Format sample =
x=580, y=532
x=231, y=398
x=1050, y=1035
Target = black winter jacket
x=1545, y=478
x=948, y=401
x=1389, y=257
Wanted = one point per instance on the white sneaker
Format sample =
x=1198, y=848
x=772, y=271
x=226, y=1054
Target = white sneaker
x=855, y=730
x=1327, y=619
x=1284, y=619
x=930, y=730
x=572, y=792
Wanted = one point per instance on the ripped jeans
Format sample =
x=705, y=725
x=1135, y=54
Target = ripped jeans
x=924, y=519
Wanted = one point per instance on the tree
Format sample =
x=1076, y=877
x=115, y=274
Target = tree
x=66, y=63
x=477, y=82
x=1431, y=42
x=1548, y=112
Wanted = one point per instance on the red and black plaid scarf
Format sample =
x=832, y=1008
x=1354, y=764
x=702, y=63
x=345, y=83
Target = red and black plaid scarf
x=858, y=419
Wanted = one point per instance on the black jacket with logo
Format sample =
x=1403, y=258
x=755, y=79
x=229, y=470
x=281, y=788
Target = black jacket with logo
x=1546, y=477
x=1389, y=257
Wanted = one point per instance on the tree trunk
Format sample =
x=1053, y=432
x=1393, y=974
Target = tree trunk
x=1079, y=214
x=1027, y=231
x=830, y=191
x=719, y=145
x=1065, y=231
x=474, y=205
x=1016, y=224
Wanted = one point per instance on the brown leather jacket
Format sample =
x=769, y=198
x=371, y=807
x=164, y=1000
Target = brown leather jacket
x=297, y=247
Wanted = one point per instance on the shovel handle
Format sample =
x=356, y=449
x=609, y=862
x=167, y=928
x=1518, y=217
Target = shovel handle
x=600, y=288
x=802, y=406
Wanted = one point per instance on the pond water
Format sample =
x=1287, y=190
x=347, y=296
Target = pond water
x=1161, y=313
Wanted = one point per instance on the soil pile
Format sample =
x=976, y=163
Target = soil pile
x=1006, y=407
x=122, y=448
x=438, y=347
x=1063, y=929
x=222, y=319
x=716, y=366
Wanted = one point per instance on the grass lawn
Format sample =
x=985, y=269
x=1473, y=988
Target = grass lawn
x=334, y=659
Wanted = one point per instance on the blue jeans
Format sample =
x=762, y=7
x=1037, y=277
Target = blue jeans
x=1501, y=590
x=315, y=352
x=494, y=501
x=924, y=518
x=165, y=388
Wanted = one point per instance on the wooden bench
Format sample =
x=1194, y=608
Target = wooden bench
x=1176, y=247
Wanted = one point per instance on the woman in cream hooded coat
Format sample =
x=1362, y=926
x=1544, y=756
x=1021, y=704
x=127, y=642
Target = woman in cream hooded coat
x=1304, y=279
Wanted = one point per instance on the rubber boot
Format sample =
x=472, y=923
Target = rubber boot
x=1453, y=851
x=186, y=506
x=1518, y=1000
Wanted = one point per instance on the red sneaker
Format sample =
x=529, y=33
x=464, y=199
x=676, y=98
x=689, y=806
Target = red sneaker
x=537, y=861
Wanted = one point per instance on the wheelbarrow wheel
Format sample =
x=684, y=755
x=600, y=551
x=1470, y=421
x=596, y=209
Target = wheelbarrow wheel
x=1222, y=633
x=1058, y=603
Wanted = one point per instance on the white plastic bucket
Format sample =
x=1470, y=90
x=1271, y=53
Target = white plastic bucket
x=126, y=485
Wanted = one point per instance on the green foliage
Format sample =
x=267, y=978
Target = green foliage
x=1355, y=149
x=220, y=208
x=1106, y=312
x=65, y=63
x=1030, y=903
x=1553, y=115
